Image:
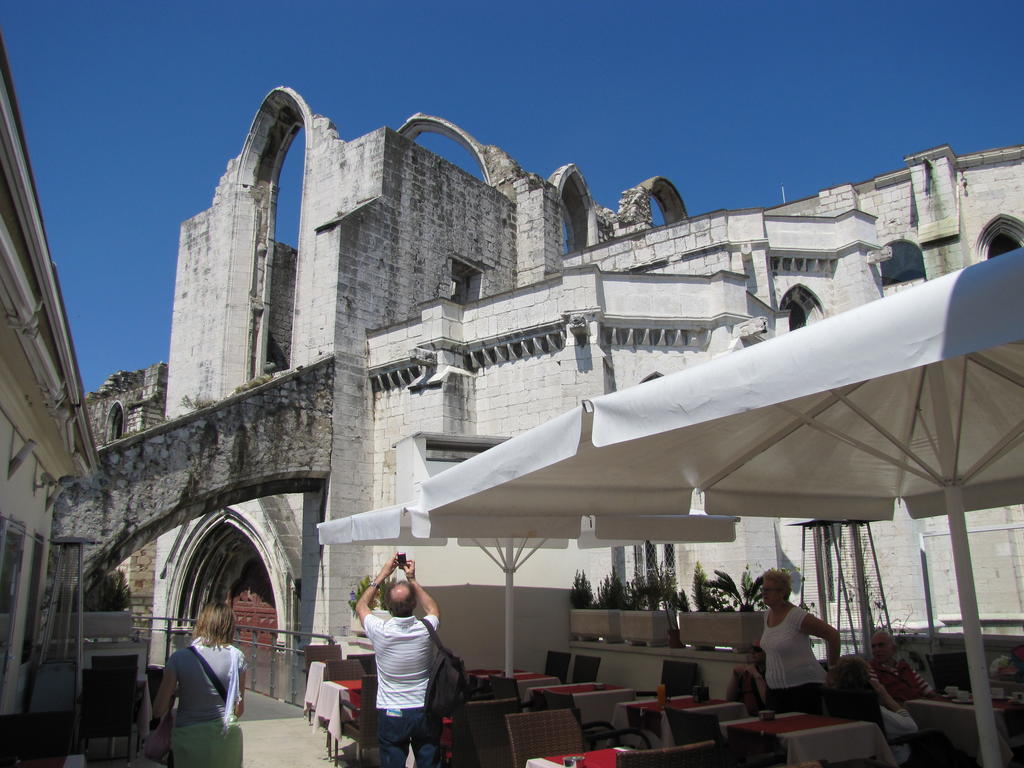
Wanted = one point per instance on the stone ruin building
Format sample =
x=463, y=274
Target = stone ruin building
x=426, y=314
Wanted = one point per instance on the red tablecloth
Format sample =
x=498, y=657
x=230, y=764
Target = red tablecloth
x=758, y=736
x=599, y=758
x=580, y=688
x=686, y=702
x=355, y=690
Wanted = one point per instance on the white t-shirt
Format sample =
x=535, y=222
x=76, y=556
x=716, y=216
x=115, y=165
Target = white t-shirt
x=898, y=724
x=789, y=660
x=405, y=655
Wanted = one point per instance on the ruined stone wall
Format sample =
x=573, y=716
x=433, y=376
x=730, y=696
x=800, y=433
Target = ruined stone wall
x=141, y=396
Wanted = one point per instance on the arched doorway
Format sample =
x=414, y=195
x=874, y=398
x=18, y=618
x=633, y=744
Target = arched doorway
x=803, y=307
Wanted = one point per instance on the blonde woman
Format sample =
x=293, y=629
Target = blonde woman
x=793, y=675
x=209, y=680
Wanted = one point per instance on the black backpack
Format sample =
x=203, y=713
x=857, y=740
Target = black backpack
x=449, y=685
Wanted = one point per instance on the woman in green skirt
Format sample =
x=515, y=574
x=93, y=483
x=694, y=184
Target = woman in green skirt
x=208, y=678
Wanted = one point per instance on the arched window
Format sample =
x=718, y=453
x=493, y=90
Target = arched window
x=115, y=422
x=1001, y=243
x=906, y=264
x=579, y=217
x=1002, y=234
x=802, y=306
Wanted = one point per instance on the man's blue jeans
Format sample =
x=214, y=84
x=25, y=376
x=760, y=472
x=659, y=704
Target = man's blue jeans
x=409, y=726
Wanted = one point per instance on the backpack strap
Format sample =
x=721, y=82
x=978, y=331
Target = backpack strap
x=433, y=634
x=211, y=674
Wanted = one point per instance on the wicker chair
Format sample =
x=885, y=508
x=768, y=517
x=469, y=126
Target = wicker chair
x=313, y=653
x=368, y=660
x=479, y=736
x=362, y=729
x=343, y=669
x=701, y=755
x=542, y=734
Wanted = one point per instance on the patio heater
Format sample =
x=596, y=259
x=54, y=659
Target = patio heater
x=844, y=584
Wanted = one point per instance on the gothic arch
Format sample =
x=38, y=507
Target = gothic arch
x=999, y=233
x=420, y=123
x=905, y=264
x=280, y=117
x=579, y=214
x=115, y=422
x=197, y=577
x=803, y=307
x=667, y=197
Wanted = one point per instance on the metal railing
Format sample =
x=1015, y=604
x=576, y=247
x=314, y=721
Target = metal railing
x=274, y=657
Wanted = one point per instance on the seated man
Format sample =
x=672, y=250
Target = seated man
x=747, y=685
x=900, y=679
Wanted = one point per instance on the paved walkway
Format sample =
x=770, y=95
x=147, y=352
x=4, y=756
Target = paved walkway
x=275, y=735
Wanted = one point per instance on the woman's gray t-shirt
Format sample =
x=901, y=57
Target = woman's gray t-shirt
x=198, y=700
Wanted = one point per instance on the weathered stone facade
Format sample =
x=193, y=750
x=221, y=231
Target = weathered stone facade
x=460, y=311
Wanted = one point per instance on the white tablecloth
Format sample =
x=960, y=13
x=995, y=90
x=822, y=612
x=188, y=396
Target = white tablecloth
x=526, y=686
x=314, y=678
x=958, y=722
x=329, y=711
x=595, y=705
x=728, y=711
x=856, y=739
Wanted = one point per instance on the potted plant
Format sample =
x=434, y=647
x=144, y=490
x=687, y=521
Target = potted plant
x=379, y=604
x=646, y=621
x=726, y=614
x=601, y=620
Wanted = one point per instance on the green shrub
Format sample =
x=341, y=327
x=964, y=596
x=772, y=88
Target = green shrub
x=611, y=593
x=581, y=594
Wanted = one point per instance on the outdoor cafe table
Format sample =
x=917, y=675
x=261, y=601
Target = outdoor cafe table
x=595, y=701
x=809, y=737
x=329, y=710
x=598, y=758
x=524, y=680
x=314, y=678
x=648, y=715
x=956, y=720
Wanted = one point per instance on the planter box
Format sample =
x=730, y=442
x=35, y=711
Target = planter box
x=595, y=624
x=737, y=630
x=644, y=627
x=357, y=628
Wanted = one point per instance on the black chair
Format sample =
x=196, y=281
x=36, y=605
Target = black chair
x=678, y=677
x=584, y=669
x=950, y=669
x=343, y=669
x=36, y=735
x=506, y=688
x=557, y=665
x=695, y=727
x=108, y=706
x=154, y=676
x=313, y=653
x=594, y=731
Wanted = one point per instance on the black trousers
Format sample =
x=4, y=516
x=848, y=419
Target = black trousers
x=800, y=698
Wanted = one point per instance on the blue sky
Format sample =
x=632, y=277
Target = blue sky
x=132, y=109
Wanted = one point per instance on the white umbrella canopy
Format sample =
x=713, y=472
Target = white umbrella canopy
x=510, y=542
x=918, y=396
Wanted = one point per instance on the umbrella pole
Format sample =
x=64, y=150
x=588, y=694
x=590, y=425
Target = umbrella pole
x=988, y=740
x=509, y=607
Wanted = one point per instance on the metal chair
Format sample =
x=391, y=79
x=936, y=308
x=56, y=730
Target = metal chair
x=678, y=677
x=343, y=669
x=36, y=735
x=479, y=735
x=699, y=727
x=362, y=729
x=584, y=669
x=506, y=688
x=313, y=653
x=542, y=734
x=557, y=665
x=594, y=731
x=700, y=755
x=127, y=661
x=108, y=706
x=950, y=669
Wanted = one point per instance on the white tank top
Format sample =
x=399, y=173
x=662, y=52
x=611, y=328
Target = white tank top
x=789, y=659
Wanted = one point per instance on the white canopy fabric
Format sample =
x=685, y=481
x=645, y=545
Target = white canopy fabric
x=509, y=541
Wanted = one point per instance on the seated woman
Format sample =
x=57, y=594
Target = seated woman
x=747, y=685
x=852, y=673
